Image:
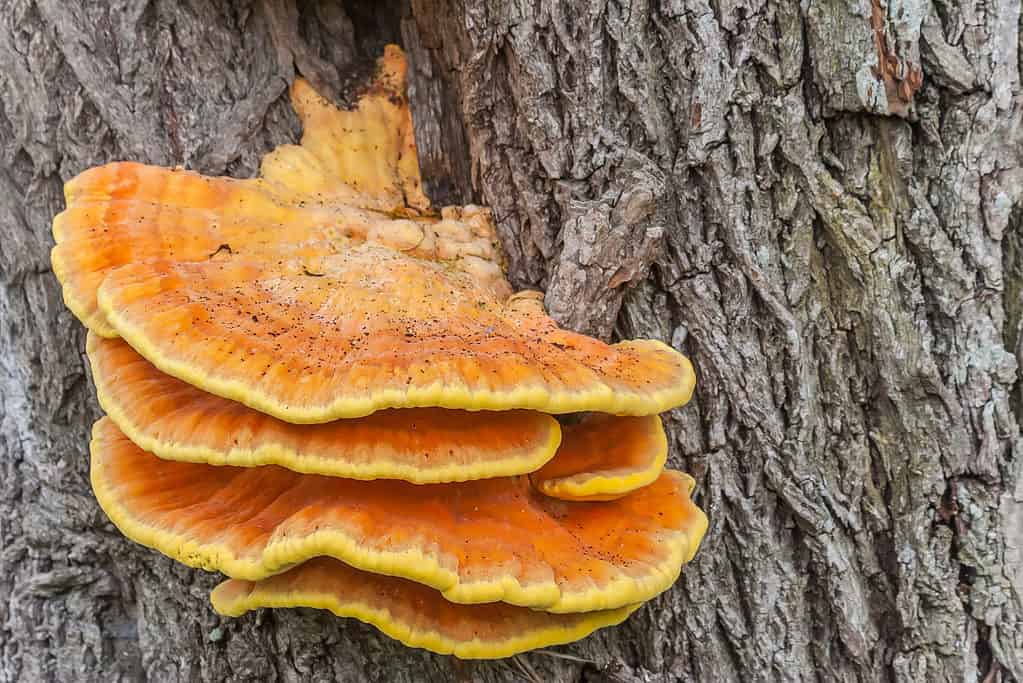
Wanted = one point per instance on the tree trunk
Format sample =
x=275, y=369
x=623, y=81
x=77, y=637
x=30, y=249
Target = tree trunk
x=818, y=202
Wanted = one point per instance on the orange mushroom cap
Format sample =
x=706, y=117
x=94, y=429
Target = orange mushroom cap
x=482, y=541
x=375, y=329
x=604, y=457
x=354, y=177
x=176, y=421
x=294, y=318
x=416, y=615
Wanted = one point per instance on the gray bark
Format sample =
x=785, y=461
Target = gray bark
x=818, y=202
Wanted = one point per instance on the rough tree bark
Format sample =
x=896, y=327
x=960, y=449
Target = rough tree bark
x=819, y=202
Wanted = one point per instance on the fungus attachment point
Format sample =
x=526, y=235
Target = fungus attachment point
x=482, y=541
x=416, y=615
x=375, y=155
x=604, y=457
x=176, y=421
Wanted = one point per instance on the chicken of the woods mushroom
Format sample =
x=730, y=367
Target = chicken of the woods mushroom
x=325, y=389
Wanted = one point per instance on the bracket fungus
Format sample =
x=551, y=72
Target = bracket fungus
x=176, y=421
x=412, y=613
x=326, y=389
x=478, y=541
x=377, y=330
x=604, y=457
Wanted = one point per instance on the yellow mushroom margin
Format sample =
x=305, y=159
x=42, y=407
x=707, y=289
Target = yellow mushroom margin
x=424, y=563
x=605, y=457
x=510, y=354
x=176, y=421
x=411, y=613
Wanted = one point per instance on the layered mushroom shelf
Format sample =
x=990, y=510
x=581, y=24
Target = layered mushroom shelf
x=328, y=391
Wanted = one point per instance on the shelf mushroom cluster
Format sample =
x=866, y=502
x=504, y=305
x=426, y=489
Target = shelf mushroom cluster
x=321, y=387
